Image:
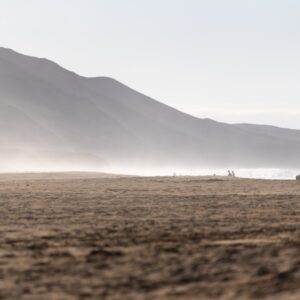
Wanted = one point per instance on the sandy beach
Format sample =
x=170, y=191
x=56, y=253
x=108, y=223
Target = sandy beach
x=95, y=236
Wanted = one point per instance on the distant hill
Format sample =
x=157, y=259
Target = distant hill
x=51, y=117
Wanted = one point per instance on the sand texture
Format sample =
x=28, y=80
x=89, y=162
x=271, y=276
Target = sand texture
x=89, y=236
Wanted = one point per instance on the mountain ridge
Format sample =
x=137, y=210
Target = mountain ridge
x=103, y=118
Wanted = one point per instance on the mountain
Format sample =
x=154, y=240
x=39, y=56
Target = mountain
x=53, y=118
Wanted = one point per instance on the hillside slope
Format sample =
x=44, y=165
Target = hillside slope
x=49, y=115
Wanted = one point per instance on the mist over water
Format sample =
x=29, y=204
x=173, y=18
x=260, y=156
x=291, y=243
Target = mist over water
x=258, y=173
x=37, y=166
x=33, y=161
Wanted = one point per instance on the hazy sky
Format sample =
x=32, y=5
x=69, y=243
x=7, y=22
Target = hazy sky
x=232, y=60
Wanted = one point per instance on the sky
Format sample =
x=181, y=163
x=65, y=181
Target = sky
x=236, y=61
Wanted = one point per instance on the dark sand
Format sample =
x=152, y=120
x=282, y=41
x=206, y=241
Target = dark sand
x=82, y=236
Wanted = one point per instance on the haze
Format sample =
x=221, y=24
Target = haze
x=234, y=61
x=54, y=119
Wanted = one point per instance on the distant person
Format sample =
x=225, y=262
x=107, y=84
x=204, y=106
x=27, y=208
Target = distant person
x=232, y=173
x=229, y=173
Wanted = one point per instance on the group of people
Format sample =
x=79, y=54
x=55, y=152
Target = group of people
x=231, y=173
